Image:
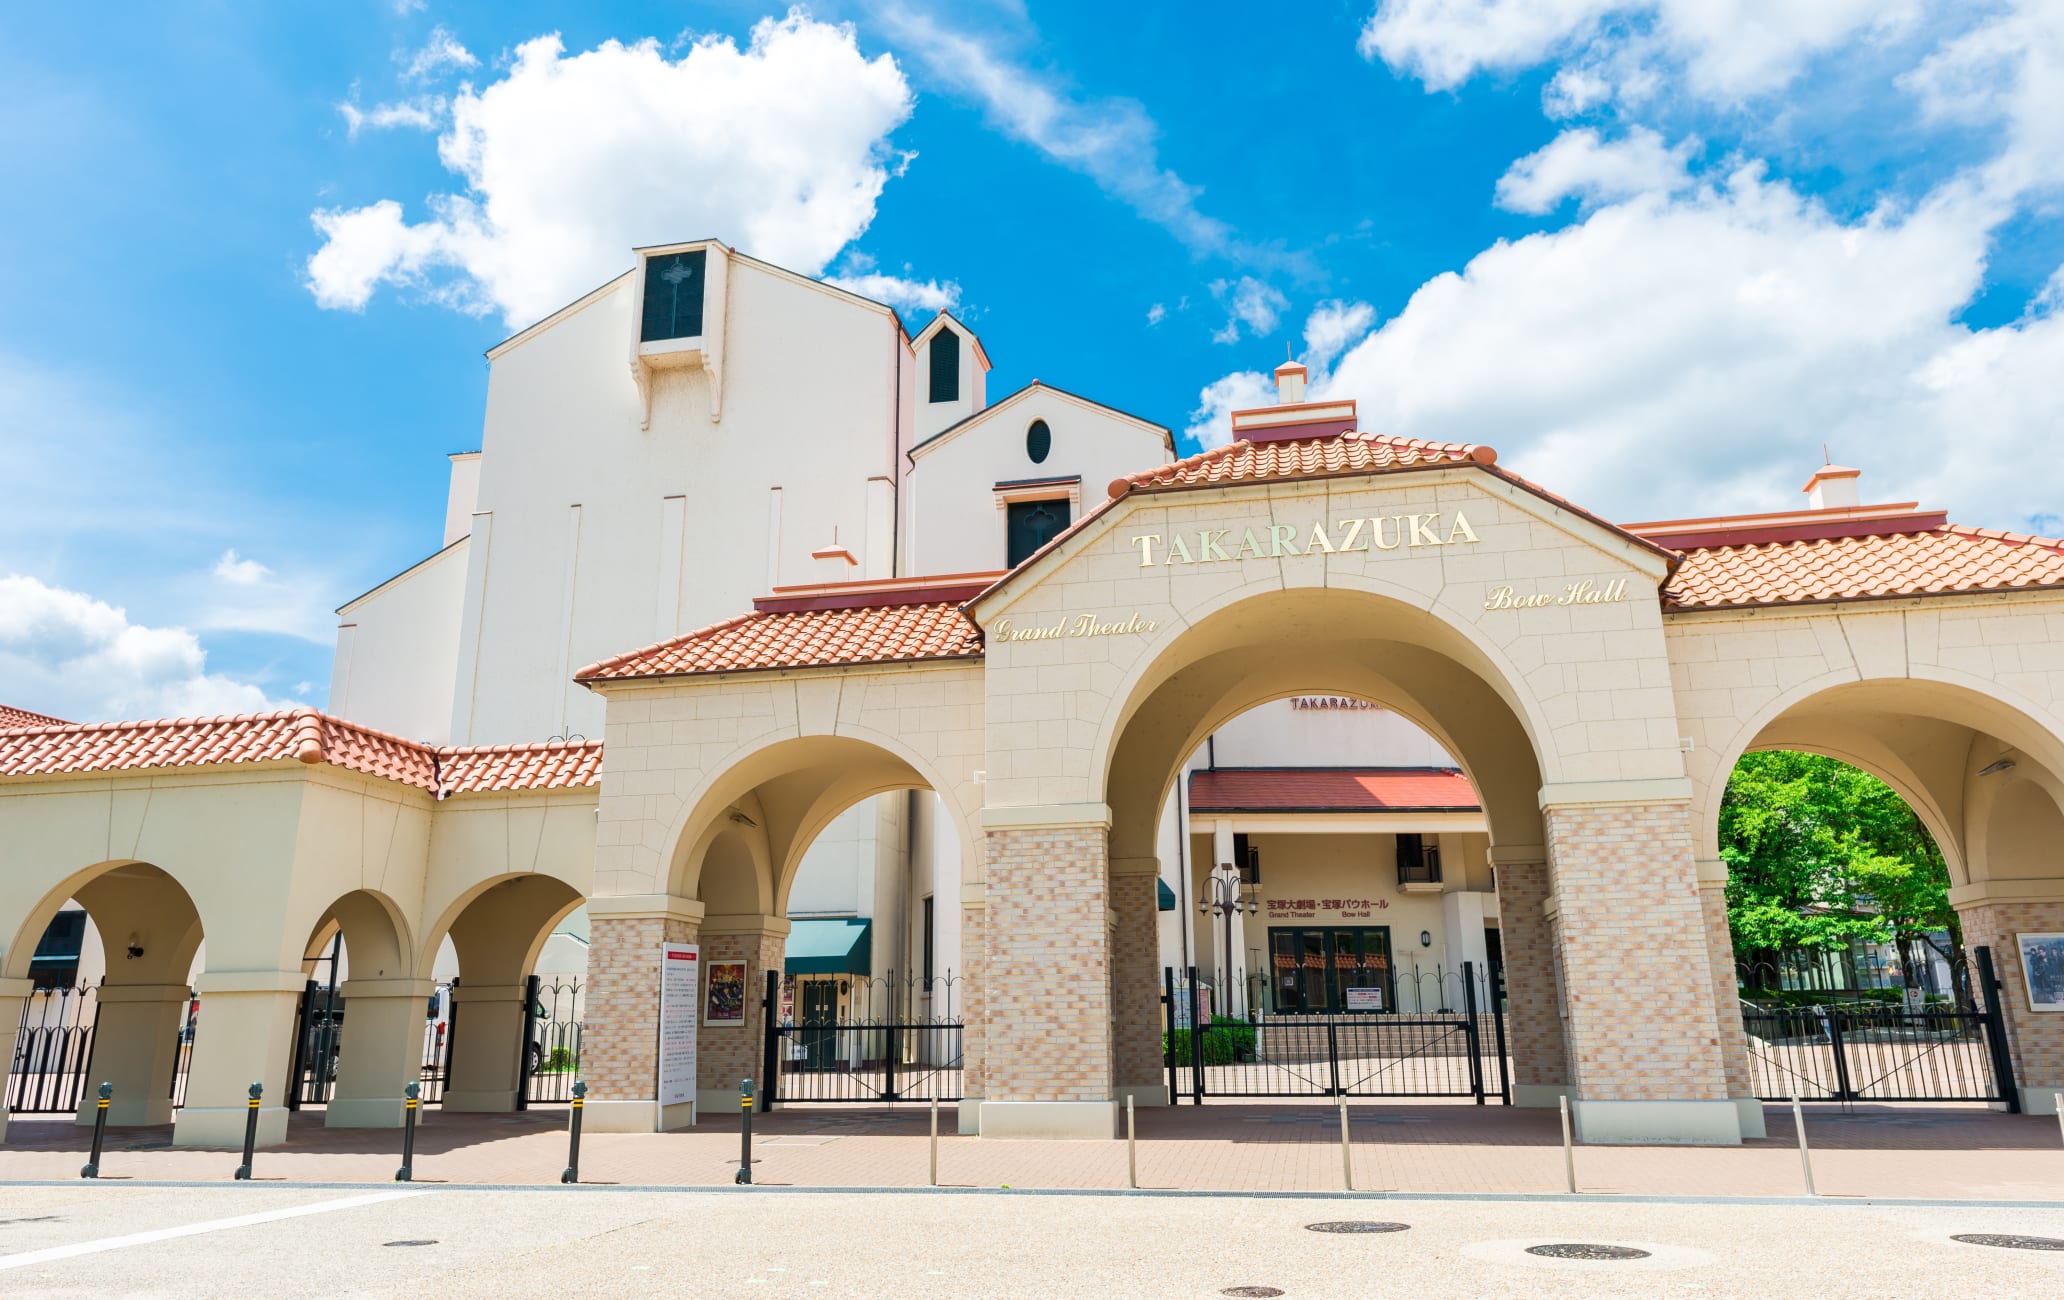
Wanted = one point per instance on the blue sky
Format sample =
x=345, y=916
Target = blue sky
x=1658, y=252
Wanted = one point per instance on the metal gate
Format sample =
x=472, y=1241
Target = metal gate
x=1885, y=1052
x=1455, y=1052
x=53, y=1050
x=551, y=1040
x=861, y=1041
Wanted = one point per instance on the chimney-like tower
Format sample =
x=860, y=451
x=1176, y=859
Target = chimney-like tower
x=1833, y=487
x=1290, y=383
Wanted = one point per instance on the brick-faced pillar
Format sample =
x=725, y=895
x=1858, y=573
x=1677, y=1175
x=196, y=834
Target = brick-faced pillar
x=1734, y=1038
x=969, y=1003
x=620, y=1017
x=1533, y=1018
x=729, y=1051
x=2036, y=1038
x=1637, y=975
x=1137, y=1064
x=1046, y=992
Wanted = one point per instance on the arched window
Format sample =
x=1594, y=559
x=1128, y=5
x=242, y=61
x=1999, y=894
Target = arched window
x=1038, y=441
x=945, y=366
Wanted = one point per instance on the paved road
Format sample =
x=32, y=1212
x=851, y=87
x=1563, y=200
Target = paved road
x=282, y=1241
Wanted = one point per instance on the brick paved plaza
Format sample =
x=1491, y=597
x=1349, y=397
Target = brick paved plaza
x=1879, y=1152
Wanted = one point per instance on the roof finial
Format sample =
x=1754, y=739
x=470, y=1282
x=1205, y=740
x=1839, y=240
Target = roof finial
x=1825, y=459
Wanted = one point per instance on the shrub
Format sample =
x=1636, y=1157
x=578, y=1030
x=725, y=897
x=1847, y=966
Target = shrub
x=1226, y=1040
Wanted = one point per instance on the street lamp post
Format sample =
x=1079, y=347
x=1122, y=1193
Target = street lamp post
x=1222, y=898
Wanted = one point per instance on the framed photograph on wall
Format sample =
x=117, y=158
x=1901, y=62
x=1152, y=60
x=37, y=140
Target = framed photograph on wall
x=2042, y=966
x=725, y=1002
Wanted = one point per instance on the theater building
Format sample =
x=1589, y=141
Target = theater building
x=758, y=626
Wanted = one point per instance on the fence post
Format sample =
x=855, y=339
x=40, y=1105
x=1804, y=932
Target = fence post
x=893, y=1050
x=100, y=1110
x=411, y=1096
x=1805, y=1155
x=243, y=1171
x=935, y=1142
x=1131, y=1148
x=523, y=1075
x=1569, y=1148
x=1333, y=1061
x=1840, y=1048
x=770, y=1042
x=1497, y=990
x=1475, y=1038
x=745, y=1109
x=300, y=1046
x=1996, y=1032
x=580, y=1096
x=1196, y=1045
x=1346, y=1150
x=1168, y=1029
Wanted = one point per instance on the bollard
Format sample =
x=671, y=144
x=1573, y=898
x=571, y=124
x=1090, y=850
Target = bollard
x=243, y=1173
x=91, y=1169
x=744, y=1132
x=1805, y=1156
x=408, y=1134
x=1346, y=1151
x=935, y=1141
x=580, y=1094
x=1131, y=1148
x=1569, y=1149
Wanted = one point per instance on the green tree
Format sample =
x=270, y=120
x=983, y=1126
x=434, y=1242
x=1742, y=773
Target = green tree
x=1820, y=854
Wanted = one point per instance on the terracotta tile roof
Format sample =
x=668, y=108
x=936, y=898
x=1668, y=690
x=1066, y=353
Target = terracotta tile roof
x=1929, y=562
x=1320, y=789
x=12, y=717
x=1348, y=453
x=879, y=622
x=305, y=735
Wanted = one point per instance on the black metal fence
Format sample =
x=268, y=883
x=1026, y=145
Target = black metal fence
x=53, y=1049
x=849, y=1038
x=1456, y=1050
x=551, y=1039
x=1913, y=1049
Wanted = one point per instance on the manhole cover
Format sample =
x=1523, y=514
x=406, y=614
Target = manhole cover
x=1261, y=1291
x=2009, y=1241
x=432, y=1241
x=1356, y=1225
x=1586, y=1250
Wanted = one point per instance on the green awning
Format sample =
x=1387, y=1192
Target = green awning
x=839, y=946
x=1166, y=895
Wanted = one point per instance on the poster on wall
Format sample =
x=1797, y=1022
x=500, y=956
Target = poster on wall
x=726, y=993
x=678, y=980
x=1365, y=999
x=2042, y=966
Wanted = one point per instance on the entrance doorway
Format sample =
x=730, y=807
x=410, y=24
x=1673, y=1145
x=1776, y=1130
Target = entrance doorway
x=1331, y=970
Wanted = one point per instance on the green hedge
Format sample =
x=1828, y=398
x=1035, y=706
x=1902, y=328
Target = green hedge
x=1225, y=1041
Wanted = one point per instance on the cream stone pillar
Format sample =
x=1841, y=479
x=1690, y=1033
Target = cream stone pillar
x=1047, y=981
x=1533, y=1019
x=730, y=1051
x=1994, y=914
x=381, y=1052
x=14, y=995
x=1138, y=1066
x=1636, y=969
x=135, y=1043
x=243, y=1034
x=487, y=1048
x=1733, y=1035
x=620, y=1021
x=974, y=930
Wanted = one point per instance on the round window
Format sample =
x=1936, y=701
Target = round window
x=1038, y=441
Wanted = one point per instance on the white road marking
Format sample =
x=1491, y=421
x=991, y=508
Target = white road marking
x=28, y=1258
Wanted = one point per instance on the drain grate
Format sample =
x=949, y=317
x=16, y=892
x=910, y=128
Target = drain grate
x=1356, y=1225
x=1585, y=1250
x=1261, y=1292
x=2009, y=1241
x=427, y=1241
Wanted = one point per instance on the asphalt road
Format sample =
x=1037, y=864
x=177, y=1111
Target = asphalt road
x=280, y=1241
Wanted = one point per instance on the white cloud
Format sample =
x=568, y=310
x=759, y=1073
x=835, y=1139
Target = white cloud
x=420, y=114
x=569, y=162
x=910, y=295
x=1249, y=302
x=442, y=50
x=1111, y=141
x=1211, y=424
x=1156, y=314
x=1579, y=163
x=240, y=572
x=403, y=8
x=78, y=658
x=1728, y=50
x=1329, y=330
x=2007, y=73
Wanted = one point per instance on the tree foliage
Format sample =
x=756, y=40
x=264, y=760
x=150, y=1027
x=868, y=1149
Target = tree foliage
x=1820, y=854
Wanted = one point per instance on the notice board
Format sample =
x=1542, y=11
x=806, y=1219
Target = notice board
x=680, y=969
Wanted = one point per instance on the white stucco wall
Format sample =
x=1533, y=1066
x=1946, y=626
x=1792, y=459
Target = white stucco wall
x=398, y=647
x=1282, y=735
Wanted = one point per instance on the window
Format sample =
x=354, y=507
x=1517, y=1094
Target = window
x=55, y=963
x=673, y=296
x=1247, y=858
x=928, y=943
x=1038, y=442
x=1418, y=863
x=945, y=366
x=1335, y=969
x=1031, y=525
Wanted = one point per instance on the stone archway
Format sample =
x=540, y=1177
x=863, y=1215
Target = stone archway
x=378, y=1046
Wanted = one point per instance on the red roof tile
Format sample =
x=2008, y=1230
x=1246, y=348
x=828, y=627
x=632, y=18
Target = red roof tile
x=1933, y=562
x=1348, y=453
x=1321, y=789
x=811, y=638
x=11, y=717
x=302, y=734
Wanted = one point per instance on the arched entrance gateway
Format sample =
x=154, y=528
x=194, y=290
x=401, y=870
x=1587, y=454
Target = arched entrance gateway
x=1594, y=684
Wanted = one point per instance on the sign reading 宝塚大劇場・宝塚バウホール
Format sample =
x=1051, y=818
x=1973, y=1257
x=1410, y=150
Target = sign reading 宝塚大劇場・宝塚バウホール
x=1378, y=533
